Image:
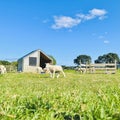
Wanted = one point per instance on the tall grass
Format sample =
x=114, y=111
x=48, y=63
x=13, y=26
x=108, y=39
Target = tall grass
x=27, y=96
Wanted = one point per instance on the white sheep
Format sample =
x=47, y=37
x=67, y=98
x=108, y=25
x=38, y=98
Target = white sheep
x=2, y=69
x=39, y=70
x=81, y=70
x=52, y=69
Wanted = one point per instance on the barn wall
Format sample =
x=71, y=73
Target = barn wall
x=32, y=69
x=20, y=65
x=41, y=59
x=26, y=67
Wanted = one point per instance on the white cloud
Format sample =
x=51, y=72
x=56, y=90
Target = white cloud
x=106, y=41
x=65, y=22
x=85, y=17
x=103, y=38
x=100, y=13
x=69, y=22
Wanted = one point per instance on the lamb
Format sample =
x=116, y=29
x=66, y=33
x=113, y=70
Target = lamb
x=81, y=70
x=52, y=69
x=39, y=70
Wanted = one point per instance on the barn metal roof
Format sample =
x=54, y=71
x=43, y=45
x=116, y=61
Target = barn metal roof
x=36, y=51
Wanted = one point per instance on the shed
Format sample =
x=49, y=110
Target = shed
x=33, y=60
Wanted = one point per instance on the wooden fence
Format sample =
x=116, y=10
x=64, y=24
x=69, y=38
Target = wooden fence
x=109, y=68
x=11, y=68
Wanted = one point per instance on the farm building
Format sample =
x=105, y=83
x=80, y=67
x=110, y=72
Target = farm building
x=32, y=61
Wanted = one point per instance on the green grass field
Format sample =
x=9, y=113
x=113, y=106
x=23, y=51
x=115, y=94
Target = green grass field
x=27, y=96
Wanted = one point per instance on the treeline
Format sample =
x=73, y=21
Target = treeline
x=86, y=59
x=4, y=62
x=105, y=58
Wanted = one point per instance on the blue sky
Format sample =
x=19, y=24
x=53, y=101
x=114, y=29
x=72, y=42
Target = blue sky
x=61, y=28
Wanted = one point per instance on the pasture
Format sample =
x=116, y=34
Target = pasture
x=27, y=96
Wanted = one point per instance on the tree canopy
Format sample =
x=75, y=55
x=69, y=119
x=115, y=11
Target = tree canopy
x=4, y=62
x=54, y=60
x=82, y=59
x=108, y=58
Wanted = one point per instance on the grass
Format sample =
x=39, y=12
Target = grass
x=28, y=96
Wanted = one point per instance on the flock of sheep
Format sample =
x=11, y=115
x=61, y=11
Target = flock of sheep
x=85, y=70
x=51, y=69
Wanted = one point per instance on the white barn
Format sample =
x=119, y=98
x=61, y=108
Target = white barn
x=32, y=61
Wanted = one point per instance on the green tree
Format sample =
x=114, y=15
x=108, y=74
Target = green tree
x=82, y=59
x=14, y=63
x=4, y=62
x=54, y=60
x=108, y=58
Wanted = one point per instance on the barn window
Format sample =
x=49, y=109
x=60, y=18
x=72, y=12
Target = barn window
x=32, y=61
